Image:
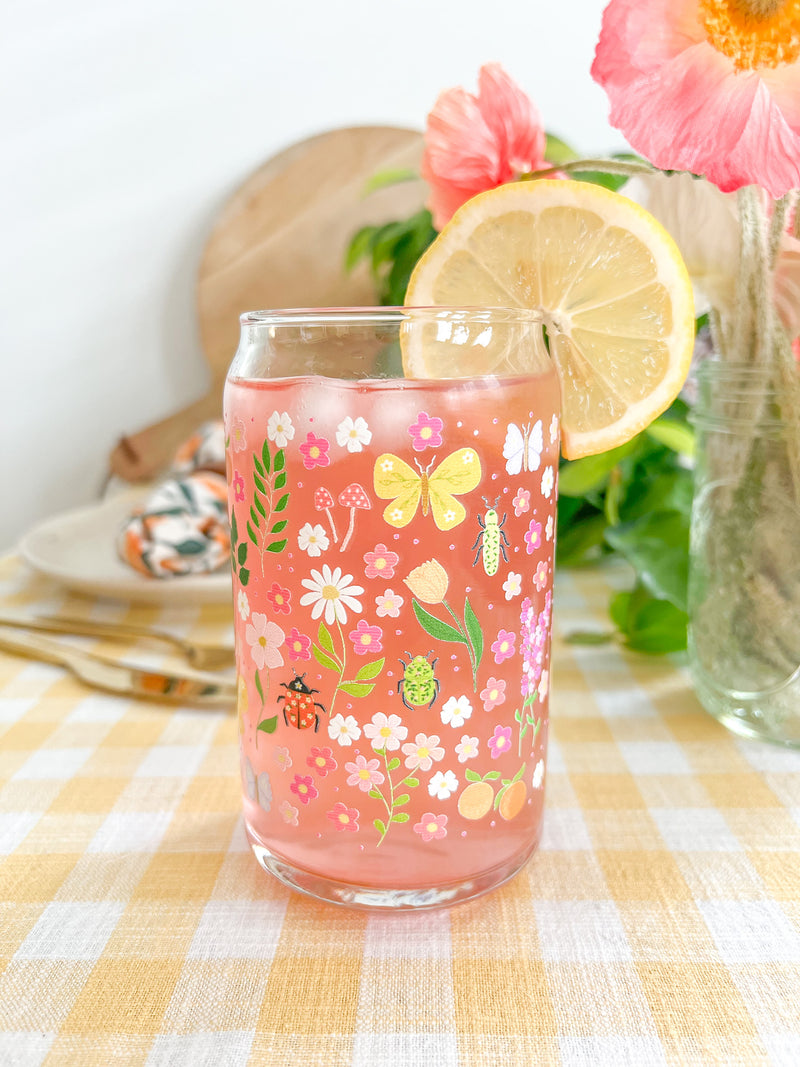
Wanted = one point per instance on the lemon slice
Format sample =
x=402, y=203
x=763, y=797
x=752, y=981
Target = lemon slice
x=604, y=276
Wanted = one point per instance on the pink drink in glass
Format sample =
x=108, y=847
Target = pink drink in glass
x=393, y=562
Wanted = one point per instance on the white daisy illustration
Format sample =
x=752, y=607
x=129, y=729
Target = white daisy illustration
x=331, y=591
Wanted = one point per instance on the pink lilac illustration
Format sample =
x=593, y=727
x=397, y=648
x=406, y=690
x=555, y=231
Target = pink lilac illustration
x=533, y=643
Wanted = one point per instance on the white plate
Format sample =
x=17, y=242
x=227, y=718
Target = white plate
x=77, y=548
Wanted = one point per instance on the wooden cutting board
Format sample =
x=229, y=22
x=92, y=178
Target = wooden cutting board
x=280, y=241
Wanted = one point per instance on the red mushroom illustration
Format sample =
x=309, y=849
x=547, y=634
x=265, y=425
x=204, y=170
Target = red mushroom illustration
x=323, y=501
x=353, y=497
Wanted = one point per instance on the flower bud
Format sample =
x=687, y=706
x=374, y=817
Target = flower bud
x=428, y=582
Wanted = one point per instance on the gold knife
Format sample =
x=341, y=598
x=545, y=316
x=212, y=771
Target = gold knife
x=177, y=687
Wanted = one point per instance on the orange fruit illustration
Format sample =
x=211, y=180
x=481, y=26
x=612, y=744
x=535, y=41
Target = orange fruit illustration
x=512, y=800
x=476, y=800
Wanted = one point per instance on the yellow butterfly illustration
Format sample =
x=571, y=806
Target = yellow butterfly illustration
x=459, y=473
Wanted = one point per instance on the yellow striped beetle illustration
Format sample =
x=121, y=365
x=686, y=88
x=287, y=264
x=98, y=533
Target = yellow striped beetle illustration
x=491, y=540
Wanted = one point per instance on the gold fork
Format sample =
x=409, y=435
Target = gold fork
x=202, y=656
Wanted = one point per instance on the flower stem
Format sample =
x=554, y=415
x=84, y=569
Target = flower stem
x=343, y=665
x=467, y=642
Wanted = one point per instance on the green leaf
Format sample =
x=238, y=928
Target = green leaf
x=244, y=575
x=394, y=763
x=401, y=800
x=259, y=466
x=252, y=534
x=280, y=462
x=471, y=775
x=442, y=631
x=280, y=525
x=324, y=638
x=473, y=628
x=492, y=776
x=284, y=500
x=389, y=176
x=411, y=782
x=241, y=553
x=581, y=542
x=258, y=687
x=356, y=689
x=265, y=456
x=401, y=816
x=359, y=247
x=675, y=435
x=234, y=528
x=657, y=546
x=324, y=660
x=259, y=484
x=268, y=726
x=370, y=670
x=190, y=547
x=599, y=177
x=375, y=794
x=654, y=625
x=277, y=546
x=577, y=477
x=280, y=480
x=254, y=518
x=589, y=637
x=380, y=827
x=259, y=506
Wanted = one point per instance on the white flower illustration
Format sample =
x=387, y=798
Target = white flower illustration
x=243, y=604
x=548, y=530
x=553, y=429
x=344, y=730
x=353, y=434
x=443, y=785
x=538, y=774
x=456, y=711
x=313, y=539
x=512, y=586
x=422, y=752
x=385, y=731
x=389, y=603
x=331, y=591
x=548, y=480
x=280, y=429
x=265, y=639
x=467, y=748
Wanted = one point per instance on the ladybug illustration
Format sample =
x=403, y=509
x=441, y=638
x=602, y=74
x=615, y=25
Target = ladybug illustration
x=491, y=538
x=419, y=685
x=299, y=707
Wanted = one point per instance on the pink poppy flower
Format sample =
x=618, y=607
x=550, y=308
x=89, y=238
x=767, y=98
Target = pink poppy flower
x=426, y=432
x=315, y=452
x=321, y=760
x=522, y=501
x=431, y=827
x=503, y=647
x=473, y=143
x=494, y=694
x=366, y=638
x=303, y=787
x=298, y=645
x=500, y=741
x=343, y=818
x=706, y=86
x=264, y=639
x=280, y=598
x=381, y=562
x=364, y=773
x=238, y=487
x=533, y=537
x=540, y=577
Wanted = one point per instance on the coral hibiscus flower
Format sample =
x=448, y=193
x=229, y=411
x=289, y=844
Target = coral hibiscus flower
x=473, y=143
x=708, y=86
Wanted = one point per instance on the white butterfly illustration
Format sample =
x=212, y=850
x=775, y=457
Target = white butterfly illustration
x=523, y=447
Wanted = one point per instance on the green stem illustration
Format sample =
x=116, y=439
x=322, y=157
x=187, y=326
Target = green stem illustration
x=526, y=718
x=468, y=633
x=328, y=656
x=394, y=802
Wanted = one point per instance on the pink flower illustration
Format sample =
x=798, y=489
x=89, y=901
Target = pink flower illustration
x=288, y=813
x=385, y=731
x=298, y=645
x=381, y=562
x=343, y=818
x=426, y=432
x=707, y=88
x=533, y=537
x=431, y=827
x=366, y=639
x=282, y=758
x=494, y=693
x=315, y=452
x=279, y=598
x=238, y=434
x=503, y=647
x=364, y=773
x=522, y=501
x=264, y=639
x=500, y=741
x=303, y=787
x=467, y=748
x=540, y=577
x=321, y=760
x=474, y=143
x=238, y=487
x=388, y=603
x=422, y=751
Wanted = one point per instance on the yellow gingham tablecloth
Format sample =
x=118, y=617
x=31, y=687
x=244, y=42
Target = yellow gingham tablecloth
x=659, y=922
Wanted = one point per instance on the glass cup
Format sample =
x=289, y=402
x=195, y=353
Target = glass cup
x=392, y=549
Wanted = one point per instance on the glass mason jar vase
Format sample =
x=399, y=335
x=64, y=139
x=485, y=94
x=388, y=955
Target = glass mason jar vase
x=744, y=572
x=392, y=566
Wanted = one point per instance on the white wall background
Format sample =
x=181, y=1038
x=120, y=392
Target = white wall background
x=124, y=127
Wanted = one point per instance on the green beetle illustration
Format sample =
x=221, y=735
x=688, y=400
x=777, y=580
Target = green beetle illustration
x=419, y=685
x=491, y=540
